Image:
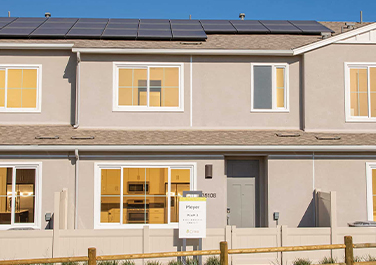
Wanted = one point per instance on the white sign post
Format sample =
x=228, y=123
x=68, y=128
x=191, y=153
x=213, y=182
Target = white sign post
x=192, y=217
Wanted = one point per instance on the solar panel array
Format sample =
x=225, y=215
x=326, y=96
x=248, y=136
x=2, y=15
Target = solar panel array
x=148, y=29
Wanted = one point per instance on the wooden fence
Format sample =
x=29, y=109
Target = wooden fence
x=223, y=251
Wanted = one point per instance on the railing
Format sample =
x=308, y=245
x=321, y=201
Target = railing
x=224, y=252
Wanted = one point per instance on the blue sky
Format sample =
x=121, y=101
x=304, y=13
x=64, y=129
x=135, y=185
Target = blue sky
x=321, y=10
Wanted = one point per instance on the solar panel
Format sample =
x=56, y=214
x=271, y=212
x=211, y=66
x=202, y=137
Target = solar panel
x=88, y=33
x=186, y=27
x=154, y=34
x=310, y=26
x=124, y=20
x=154, y=21
x=61, y=19
x=94, y=20
x=155, y=26
x=31, y=19
x=2, y=24
x=122, y=26
x=57, y=25
x=86, y=25
x=49, y=32
x=16, y=32
x=119, y=33
x=7, y=19
x=24, y=25
x=188, y=35
x=185, y=22
x=249, y=26
x=219, y=28
x=280, y=26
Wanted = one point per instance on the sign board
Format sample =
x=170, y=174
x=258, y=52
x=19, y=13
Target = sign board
x=192, y=217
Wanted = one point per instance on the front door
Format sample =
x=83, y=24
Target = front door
x=241, y=182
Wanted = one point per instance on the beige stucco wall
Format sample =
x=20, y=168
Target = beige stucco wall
x=324, y=86
x=216, y=207
x=58, y=82
x=221, y=91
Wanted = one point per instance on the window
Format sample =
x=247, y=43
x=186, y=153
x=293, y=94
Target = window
x=269, y=87
x=135, y=195
x=148, y=87
x=360, y=82
x=19, y=196
x=20, y=88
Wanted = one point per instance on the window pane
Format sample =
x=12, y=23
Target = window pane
x=156, y=198
x=132, y=83
x=25, y=196
x=29, y=78
x=29, y=98
x=14, y=98
x=14, y=78
x=164, y=87
x=5, y=195
x=110, y=199
x=2, y=88
x=358, y=92
x=372, y=78
x=280, y=83
x=374, y=208
x=262, y=87
x=373, y=104
x=180, y=181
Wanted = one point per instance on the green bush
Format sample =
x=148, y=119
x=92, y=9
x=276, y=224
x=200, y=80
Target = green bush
x=108, y=262
x=212, y=261
x=328, y=260
x=70, y=263
x=174, y=262
x=302, y=262
x=358, y=259
x=191, y=261
x=128, y=262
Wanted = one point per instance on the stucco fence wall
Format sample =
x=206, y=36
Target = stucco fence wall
x=47, y=243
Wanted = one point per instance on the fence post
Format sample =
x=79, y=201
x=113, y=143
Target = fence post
x=92, y=255
x=349, y=253
x=224, y=253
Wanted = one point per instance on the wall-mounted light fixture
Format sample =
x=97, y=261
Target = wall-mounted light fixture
x=208, y=171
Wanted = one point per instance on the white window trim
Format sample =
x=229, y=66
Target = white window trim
x=369, y=167
x=97, y=191
x=38, y=193
x=347, y=67
x=115, y=105
x=38, y=67
x=287, y=90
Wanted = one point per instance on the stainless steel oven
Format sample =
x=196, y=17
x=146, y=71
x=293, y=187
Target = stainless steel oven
x=138, y=211
x=138, y=187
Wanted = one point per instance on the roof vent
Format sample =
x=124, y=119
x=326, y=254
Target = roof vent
x=82, y=137
x=47, y=14
x=350, y=25
x=242, y=16
x=287, y=134
x=46, y=137
x=326, y=138
x=325, y=35
x=190, y=43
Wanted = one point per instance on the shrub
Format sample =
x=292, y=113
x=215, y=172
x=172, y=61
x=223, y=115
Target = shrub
x=301, y=261
x=358, y=259
x=128, y=262
x=370, y=258
x=190, y=261
x=70, y=263
x=212, y=261
x=328, y=260
x=153, y=262
x=175, y=262
x=108, y=262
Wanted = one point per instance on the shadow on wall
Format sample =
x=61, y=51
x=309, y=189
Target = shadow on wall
x=308, y=219
x=70, y=74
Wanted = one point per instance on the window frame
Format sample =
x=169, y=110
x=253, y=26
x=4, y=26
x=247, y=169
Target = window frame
x=347, y=67
x=115, y=165
x=369, y=191
x=38, y=193
x=38, y=107
x=274, y=88
x=146, y=65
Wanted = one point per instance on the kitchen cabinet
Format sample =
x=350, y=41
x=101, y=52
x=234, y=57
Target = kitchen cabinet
x=180, y=175
x=110, y=179
x=137, y=174
x=156, y=182
x=114, y=216
x=156, y=216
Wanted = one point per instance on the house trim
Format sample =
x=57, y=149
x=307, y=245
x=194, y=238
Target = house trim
x=369, y=167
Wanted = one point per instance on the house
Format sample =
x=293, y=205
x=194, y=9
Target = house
x=125, y=114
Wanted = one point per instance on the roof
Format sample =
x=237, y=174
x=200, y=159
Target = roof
x=214, y=41
x=66, y=135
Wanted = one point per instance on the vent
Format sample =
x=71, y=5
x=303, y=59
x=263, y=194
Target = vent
x=190, y=43
x=287, y=134
x=82, y=137
x=326, y=138
x=46, y=137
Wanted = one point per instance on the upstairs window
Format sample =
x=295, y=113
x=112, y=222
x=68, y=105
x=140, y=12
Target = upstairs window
x=148, y=87
x=360, y=80
x=19, y=88
x=269, y=87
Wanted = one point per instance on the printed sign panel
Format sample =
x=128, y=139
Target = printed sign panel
x=192, y=217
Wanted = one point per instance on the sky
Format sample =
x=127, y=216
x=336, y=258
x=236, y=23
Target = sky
x=320, y=10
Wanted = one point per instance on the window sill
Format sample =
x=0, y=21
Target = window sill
x=19, y=111
x=270, y=111
x=137, y=226
x=365, y=120
x=14, y=227
x=147, y=110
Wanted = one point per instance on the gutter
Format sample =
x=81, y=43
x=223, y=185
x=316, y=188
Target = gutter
x=77, y=105
x=192, y=148
x=33, y=46
x=184, y=51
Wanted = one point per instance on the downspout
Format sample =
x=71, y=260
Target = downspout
x=76, y=188
x=77, y=106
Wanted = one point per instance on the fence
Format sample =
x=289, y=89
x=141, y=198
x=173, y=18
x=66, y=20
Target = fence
x=224, y=253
